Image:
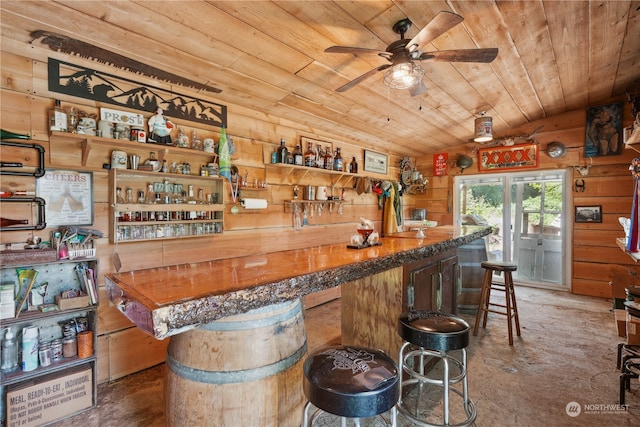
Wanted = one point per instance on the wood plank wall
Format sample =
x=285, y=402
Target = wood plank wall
x=123, y=349
x=597, y=264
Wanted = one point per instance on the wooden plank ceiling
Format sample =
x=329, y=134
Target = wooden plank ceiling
x=268, y=56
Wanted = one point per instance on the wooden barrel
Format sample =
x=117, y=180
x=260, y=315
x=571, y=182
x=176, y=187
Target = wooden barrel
x=243, y=370
x=472, y=274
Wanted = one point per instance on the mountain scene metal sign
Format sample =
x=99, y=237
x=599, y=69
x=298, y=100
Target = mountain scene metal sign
x=86, y=83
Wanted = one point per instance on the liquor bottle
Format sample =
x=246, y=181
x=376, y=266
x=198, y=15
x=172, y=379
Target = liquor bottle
x=4, y=134
x=72, y=119
x=298, y=158
x=328, y=159
x=354, y=166
x=310, y=156
x=6, y=222
x=283, y=152
x=57, y=118
x=337, y=161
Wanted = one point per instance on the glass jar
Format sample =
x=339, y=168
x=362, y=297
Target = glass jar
x=119, y=198
x=56, y=349
x=69, y=347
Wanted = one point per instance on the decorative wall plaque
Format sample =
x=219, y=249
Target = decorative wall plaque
x=86, y=83
x=523, y=156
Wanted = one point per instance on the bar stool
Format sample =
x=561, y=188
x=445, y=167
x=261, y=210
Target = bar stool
x=350, y=382
x=626, y=352
x=430, y=337
x=510, y=307
x=630, y=369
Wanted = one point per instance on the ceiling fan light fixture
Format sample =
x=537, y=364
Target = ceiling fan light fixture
x=403, y=75
x=483, y=128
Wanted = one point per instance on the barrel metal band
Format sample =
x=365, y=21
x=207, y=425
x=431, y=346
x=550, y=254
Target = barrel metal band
x=243, y=324
x=229, y=377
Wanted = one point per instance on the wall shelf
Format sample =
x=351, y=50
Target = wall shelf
x=88, y=142
x=296, y=174
x=620, y=241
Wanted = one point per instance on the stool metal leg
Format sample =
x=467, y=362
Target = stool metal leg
x=305, y=417
x=465, y=385
x=445, y=386
x=619, y=359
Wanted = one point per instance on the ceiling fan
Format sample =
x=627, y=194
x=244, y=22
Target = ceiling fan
x=402, y=71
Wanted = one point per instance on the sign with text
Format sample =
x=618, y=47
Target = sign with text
x=440, y=164
x=50, y=400
x=492, y=159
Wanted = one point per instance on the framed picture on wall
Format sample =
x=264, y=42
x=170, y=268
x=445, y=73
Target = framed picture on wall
x=604, y=130
x=375, y=162
x=68, y=195
x=588, y=213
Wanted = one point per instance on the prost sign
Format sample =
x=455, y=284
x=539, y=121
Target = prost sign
x=493, y=159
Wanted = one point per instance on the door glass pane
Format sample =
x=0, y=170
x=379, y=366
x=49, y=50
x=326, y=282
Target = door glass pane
x=537, y=247
x=481, y=202
x=530, y=231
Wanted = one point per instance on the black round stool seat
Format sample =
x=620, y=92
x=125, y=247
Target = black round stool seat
x=499, y=266
x=351, y=381
x=434, y=330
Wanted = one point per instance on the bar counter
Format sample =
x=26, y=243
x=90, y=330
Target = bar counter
x=170, y=300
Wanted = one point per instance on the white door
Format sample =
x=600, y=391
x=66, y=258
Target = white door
x=531, y=232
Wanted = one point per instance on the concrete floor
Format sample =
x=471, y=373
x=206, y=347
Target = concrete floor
x=567, y=353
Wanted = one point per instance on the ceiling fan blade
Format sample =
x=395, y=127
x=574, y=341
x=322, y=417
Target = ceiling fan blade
x=418, y=89
x=359, y=79
x=443, y=22
x=350, y=49
x=461, y=55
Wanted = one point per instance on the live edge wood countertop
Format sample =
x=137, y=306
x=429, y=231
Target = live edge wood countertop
x=169, y=300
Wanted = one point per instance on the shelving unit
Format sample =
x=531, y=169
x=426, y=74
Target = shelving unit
x=67, y=386
x=135, y=222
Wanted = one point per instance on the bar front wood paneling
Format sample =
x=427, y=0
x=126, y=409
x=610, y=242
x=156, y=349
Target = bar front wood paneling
x=169, y=300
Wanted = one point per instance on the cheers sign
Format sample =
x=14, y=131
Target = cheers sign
x=506, y=158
